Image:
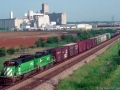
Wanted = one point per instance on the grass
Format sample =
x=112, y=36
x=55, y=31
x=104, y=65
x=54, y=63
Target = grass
x=101, y=72
x=113, y=81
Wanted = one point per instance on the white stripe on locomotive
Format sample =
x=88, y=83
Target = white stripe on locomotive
x=19, y=69
x=5, y=71
x=9, y=72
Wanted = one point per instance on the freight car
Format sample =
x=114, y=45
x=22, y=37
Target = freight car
x=23, y=66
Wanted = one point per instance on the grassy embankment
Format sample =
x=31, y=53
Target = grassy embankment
x=102, y=72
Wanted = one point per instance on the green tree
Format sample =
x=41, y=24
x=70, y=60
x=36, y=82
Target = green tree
x=85, y=34
x=53, y=39
x=2, y=52
x=11, y=50
x=119, y=52
x=40, y=42
x=68, y=38
x=22, y=48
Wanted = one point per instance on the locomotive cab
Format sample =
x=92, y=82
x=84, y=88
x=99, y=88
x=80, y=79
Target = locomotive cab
x=8, y=74
x=9, y=68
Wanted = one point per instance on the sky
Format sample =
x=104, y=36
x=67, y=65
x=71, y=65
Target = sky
x=76, y=10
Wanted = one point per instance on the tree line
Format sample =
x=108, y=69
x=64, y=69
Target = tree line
x=11, y=50
x=82, y=35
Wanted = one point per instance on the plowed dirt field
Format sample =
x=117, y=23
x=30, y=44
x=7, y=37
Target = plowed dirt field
x=8, y=39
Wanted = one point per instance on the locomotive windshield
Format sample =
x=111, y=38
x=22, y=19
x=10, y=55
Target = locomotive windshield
x=9, y=63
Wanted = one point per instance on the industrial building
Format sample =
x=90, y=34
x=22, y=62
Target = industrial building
x=33, y=20
x=45, y=8
x=30, y=20
x=41, y=20
x=59, y=18
x=11, y=23
x=69, y=26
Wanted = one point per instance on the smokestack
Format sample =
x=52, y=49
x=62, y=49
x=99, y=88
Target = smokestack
x=11, y=15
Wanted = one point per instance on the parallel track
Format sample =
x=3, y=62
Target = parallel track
x=39, y=81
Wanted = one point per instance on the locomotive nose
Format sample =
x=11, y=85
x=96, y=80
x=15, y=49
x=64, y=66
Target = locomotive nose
x=4, y=81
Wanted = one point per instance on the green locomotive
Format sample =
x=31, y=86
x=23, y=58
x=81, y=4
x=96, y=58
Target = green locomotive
x=24, y=66
x=43, y=59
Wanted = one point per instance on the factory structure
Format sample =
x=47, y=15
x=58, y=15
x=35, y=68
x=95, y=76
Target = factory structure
x=42, y=20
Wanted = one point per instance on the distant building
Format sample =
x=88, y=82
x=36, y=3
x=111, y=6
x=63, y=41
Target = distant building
x=25, y=25
x=11, y=23
x=31, y=20
x=45, y=8
x=59, y=18
x=69, y=26
x=42, y=21
x=35, y=20
x=30, y=15
x=84, y=26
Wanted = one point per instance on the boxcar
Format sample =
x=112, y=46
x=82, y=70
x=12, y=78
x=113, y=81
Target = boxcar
x=59, y=53
x=100, y=39
x=72, y=49
x=94, y=41
x=64, y=53
x=84, y=45
x=80, y=46
x=88, y=44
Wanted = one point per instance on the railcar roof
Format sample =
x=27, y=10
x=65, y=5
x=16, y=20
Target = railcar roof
x=69, y=44
x=22, y=59
x=17, y=60
x=39, y=54
x=24, y=56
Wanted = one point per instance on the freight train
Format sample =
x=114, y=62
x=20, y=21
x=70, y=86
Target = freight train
x=25, y=65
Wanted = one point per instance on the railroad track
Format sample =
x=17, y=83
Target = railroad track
x=36, y=82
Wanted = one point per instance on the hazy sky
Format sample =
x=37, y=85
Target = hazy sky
x=82, y=10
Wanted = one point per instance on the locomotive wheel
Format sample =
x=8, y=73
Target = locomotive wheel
x=38, y=69
x=22, y=76
x=33, y=72
x=51, y=64
x=41, y=68
x=13, y=80
x=47, y=66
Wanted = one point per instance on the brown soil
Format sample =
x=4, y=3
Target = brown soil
x=9, y=39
